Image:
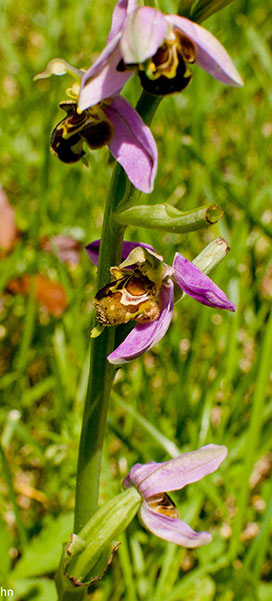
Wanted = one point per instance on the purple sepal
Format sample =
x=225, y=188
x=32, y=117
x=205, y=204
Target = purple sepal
x=144, y=468
x=145, y=336
x=170, y=529
x=153, y=478
x=92, y=249
x=132, y=145
x=103, y=80
x=144, y=31
x=198, y=285
x=210, y=54
x=121, y=10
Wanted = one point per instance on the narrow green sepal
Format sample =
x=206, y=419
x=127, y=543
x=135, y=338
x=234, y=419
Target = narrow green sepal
x=58, y=66
x=169, y=219
x=212, y=255
x=201, y=9
x=185, y=7
x=88, y=554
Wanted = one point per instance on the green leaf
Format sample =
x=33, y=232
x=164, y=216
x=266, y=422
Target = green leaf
x=265, y=591
x=43, y=552
x=5, y=544
x=40, y=589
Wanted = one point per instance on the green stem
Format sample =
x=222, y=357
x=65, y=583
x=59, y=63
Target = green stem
x=101, y=371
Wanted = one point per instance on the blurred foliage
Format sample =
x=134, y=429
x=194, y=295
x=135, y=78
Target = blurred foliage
x=208, y=380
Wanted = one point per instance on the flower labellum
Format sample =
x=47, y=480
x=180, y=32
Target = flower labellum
x=143, y=290
x=133, y=296
x=160, y=48
x=154, y=480
x=91, y=126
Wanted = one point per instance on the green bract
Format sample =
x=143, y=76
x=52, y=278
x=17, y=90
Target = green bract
x=89, y=553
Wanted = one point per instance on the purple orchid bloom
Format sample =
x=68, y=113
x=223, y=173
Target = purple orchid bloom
x=113, y=122
x=146, y=294
x=153, y=480
x=160, y=47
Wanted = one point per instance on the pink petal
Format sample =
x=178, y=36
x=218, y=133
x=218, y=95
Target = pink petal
x=132, y=145
x=145, y=336
x=143, y=33
x=178, y=472
x=103, y=80
x=211, y=55
x=171, y=529
x=121, y=10
x=138, y=472
x=198, y=285
x=92, y=249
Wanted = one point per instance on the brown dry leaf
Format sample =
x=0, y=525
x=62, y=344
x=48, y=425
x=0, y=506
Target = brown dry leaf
x=19, y=285
x=51, y=295
x=8, y=229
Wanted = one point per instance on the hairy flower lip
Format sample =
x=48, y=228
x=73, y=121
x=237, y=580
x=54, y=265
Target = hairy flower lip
x=183, y=274
x=153, y=478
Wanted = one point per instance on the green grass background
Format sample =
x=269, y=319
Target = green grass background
x=208, y=380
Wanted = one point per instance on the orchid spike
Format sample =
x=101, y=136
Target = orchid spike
x=143, y=290
x=154, y=480
x=160, y=48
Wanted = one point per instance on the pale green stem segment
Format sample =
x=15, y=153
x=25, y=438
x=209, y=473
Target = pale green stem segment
x=101, y=371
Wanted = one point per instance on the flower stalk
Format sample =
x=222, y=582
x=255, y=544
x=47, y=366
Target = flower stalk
x=101, y=371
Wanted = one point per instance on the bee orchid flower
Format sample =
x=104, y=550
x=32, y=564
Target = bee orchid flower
x=142, y=289
x=112, y=122
x=154, y=480
x=160, y=48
